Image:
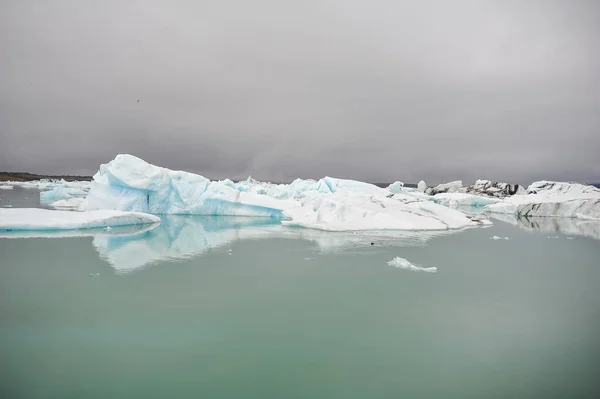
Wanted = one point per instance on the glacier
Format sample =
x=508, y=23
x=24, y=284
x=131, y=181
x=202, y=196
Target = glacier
x=32, y=219
x=129, y=183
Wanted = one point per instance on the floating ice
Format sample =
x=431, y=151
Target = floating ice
x=456, y=200
x=48, y=184
x=61, y=193
x=122, y=231
x=23, y=219
x=498, y=238
x=396, y=187
x=129, y=183
x=552, y=199
x=73, y=204
x=451, y=187
x=346, y=213
x=6, y=187
x=405, y=264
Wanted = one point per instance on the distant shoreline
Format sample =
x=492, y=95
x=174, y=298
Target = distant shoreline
x=20, y=176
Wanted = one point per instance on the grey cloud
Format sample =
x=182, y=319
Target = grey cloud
x=378, y=90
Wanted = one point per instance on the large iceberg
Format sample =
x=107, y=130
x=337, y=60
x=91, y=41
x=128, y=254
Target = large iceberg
x=30, y=219
x=552, y=199
x=131, y=184
x=338, y=212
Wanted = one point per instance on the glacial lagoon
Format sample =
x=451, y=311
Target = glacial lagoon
x=243, y=307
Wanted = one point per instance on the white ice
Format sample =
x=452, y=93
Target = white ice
x=552, y=199
x=498, y=238
x=129, y=183
x=72, y=203
x=405, y=264
x=62, y=193
x=6, y=187
x=21, y=219
x=456, y=200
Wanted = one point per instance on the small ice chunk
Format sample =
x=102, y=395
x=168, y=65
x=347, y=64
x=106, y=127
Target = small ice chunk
x=405, y=264
x=108, y=228
x=498, y=238
x=422, y=186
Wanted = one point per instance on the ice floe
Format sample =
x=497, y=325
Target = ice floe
x=29, y=219
x=405, y=264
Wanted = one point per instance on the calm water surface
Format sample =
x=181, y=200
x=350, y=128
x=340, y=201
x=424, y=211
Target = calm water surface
x=244, y=308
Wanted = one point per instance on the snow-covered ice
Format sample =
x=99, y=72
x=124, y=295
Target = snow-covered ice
x=21, y=219
x=72, y=203
x=339, y=212
x=131, y=184
x=456, y=200
x=405, y=264
x=552, y=199
x=3, y=187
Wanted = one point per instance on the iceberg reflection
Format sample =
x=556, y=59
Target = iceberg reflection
x=116, y=231
x=183, y=237
x=566, y=226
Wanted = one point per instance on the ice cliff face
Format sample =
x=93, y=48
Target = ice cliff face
x=129, y=183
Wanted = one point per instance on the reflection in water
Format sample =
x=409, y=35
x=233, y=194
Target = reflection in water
x=567, y=226
x=117, y=231
x=182, y=237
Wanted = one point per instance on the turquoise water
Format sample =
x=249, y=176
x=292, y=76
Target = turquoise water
x=243, y=308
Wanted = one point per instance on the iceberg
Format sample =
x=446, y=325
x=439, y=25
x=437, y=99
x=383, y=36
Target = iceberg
x=128, y=183
x=457, y=200
x=72, y=203
x=496, y=189
x=451, y=187
x=352, y=213
x=62, y=193
x=552, y=199
x=26, y=219
x=48, y=184
x=402, y=263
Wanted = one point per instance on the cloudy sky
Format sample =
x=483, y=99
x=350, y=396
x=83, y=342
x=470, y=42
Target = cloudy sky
x=372, y=90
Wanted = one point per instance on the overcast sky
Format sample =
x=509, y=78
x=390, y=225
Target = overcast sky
x=372, y=90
